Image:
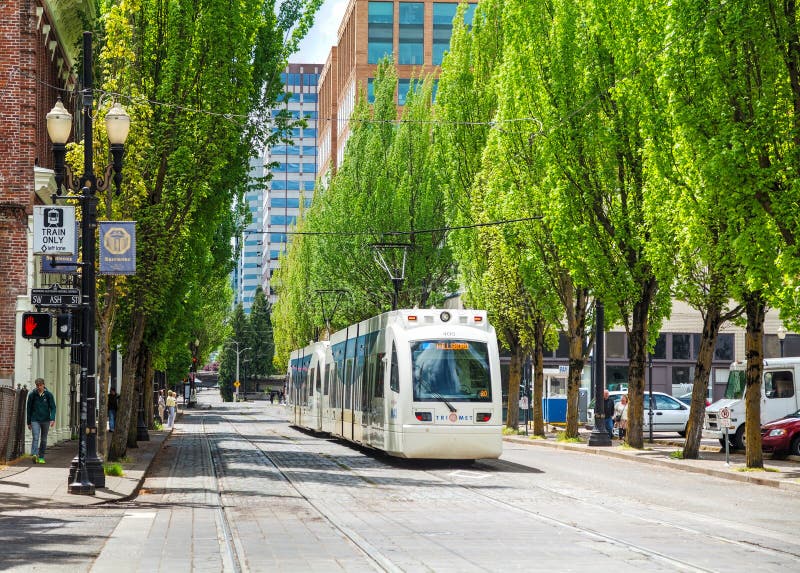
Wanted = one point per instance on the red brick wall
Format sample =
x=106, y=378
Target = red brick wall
x=27, y=72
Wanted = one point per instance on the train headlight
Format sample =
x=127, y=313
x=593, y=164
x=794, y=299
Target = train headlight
x=445, y=316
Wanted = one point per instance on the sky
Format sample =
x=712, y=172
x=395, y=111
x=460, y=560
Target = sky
x=316, y=46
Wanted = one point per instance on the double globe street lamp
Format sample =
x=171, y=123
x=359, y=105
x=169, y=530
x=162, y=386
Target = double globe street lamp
x=86, y=471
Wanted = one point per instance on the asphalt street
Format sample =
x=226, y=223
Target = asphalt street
x=235, y=488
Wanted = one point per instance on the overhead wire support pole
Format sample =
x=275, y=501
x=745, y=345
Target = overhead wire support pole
x=394, y=264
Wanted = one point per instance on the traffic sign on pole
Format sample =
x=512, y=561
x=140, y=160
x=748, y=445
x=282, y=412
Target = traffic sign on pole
x=54, y=230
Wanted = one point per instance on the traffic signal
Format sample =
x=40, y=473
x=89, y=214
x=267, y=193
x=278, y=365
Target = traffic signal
x=64, y=326
x=36, y=325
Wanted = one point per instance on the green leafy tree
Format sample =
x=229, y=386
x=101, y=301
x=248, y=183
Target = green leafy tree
x=739, y=59
x=386, y=190
x=199, y=80
x=261, y=336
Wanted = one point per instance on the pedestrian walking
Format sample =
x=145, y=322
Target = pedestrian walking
x=608, y=410
x=621, y=416
x=112, y=409
x=41, y=410
x=162, y=405
x=171, y=404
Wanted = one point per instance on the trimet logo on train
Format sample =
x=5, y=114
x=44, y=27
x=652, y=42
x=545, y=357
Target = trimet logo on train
x=453, y=417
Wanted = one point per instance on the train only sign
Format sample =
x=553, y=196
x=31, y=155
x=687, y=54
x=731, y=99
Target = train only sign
x=54, y=230
x=55, y=296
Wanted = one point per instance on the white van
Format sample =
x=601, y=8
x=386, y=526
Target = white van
x=780, y=395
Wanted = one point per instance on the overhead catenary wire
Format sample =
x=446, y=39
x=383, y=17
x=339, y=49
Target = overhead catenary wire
x=398, y=233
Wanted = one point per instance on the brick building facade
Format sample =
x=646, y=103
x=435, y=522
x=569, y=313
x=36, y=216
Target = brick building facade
x=38, y=47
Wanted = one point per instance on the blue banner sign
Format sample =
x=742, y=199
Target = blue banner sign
x=118, y=248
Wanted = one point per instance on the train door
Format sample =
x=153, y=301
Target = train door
x=327, y=415
x=367, y=401
x=394, y=426
x=347, y=407
x=359, y=379
x=378, y=420
x=320, y=401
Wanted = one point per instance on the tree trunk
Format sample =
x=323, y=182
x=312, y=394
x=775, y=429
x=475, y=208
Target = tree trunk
x=637, y=354
x=514, y=377
x=141, y=370
x=575, y=303
x=755, y=308
x=702, y=371
x=149, y=415
x=103, y=368
x=119, y=440
x=537, y=373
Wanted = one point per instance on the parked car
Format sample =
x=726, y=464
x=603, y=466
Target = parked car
x=687, y=399
x=782, y=437
x=669, y=414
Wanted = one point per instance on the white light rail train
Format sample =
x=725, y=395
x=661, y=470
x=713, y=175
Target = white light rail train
x=412, y=383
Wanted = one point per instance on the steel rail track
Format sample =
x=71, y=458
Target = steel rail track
x=385, y=564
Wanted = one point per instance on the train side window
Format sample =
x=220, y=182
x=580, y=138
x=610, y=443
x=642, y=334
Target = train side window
x=379, y=377
x=394, y=376
x=313, y=381
x=348, y=381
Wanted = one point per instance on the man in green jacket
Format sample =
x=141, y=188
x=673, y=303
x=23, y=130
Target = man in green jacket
x=41, y=417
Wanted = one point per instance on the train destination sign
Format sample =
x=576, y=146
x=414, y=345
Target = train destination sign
x=54, y=230
x=55, y=296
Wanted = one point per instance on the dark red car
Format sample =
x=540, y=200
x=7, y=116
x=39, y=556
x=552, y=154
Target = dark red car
x=782, y=436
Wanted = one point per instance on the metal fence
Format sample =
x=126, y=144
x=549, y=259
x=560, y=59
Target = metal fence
x=12, y=422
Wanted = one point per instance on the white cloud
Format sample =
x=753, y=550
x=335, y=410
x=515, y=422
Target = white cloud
x=316, y=46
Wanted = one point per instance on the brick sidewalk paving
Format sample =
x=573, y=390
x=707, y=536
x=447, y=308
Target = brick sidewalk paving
x=24, y=484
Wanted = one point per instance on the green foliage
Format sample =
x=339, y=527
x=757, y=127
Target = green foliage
x=388, y=182
x=198, y=81
x=113, y=469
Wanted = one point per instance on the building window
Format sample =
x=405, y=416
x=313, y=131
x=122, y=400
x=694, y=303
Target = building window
x=616, y=377
x=309, y=98
x=380, y=31
x=310, y=80
x=412, y=18
x=615, y=345
x=370, y=90
x=284, y=202
x=403, y=88
x=284, y=185
x=724, y=348
x=282, y=220
x=660, y=350
x=681, y=347
x=443, y=15
x=309, y=132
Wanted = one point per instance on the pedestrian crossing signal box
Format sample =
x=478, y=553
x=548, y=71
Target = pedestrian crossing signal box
x=36, y=325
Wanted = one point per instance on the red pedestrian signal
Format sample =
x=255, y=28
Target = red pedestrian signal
x=36, y=325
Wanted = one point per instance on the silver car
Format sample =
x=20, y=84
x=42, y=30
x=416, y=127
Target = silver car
x=669, y=414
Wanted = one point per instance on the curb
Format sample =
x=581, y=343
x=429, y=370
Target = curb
x=676, y=465
x=137, y=488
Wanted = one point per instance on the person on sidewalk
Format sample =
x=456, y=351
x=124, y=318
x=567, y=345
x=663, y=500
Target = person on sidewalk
x=608, y=411
x=41, y=410
x=162, y=406
x=171, y=404
x=113, y=404
x=621, y=416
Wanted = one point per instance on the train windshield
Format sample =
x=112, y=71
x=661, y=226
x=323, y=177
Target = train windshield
x=451, y=370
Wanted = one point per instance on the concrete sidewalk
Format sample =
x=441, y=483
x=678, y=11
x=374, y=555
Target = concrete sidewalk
x=783, y=474
x=24, y=484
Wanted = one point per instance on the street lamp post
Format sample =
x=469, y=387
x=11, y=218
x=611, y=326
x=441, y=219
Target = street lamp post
x=238, y=354
x=650, y=400
x=781, y=337
x=86, y=471
x=193, y=373
x=599, y=436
